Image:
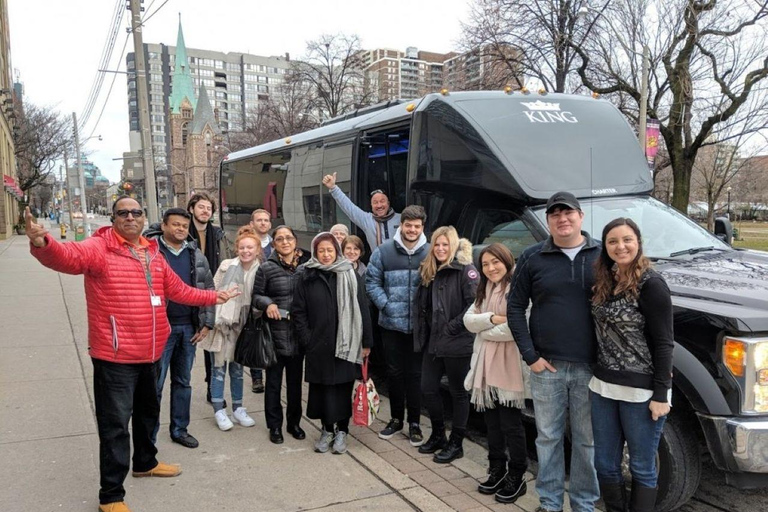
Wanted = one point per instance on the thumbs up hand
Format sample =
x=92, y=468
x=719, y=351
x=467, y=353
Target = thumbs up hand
x=35, y=232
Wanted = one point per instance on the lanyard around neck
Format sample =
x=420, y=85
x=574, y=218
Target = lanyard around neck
x=147, y=273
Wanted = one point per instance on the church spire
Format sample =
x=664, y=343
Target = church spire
x=181, y=84
x=204, y=115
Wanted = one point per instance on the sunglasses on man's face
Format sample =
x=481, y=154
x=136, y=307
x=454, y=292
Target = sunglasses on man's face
x=124, y=213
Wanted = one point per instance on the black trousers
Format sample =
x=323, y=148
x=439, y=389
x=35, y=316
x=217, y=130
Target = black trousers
x=506, y=434
x=293, y=368
x=456, y=368
x=124, y=392
x=403, y=375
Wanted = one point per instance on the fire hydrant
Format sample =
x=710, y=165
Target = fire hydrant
x=63, y=227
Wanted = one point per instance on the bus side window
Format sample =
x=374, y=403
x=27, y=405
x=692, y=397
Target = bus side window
x=337, y=159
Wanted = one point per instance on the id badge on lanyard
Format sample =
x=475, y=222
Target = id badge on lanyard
x=153, y=299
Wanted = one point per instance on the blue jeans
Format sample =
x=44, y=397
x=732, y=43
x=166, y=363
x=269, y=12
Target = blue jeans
x=556, y=396
x=235, y=385
x=179, y=356
x=615, y=422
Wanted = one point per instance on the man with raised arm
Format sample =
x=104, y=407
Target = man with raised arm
x=378, y=225
x=127, y=285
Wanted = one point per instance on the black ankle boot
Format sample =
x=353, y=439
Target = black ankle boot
x=452, y=451
x=614, y=497
x=437, y=441
x=513, y=487
x=496, y=473
x=642, y=499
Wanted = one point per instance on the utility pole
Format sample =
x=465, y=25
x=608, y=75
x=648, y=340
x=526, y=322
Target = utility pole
x=69, y=190
x=150, y=186
x=81, y=178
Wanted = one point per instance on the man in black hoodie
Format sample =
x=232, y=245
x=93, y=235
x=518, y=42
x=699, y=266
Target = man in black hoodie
x=558, y=343
x=188, y=324
x=212, y=242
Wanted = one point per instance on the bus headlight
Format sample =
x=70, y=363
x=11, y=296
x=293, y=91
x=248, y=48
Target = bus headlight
x=747, y=360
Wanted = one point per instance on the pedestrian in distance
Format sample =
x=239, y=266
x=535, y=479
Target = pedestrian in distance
x=558, y=343
x=353, y=249
x=230, y=320
x=261, y=222
x=340, y=232
x=447, y=290
x=631, y=388
x=495, y=378
x=273, y=295
x=333, y=326
x=378, y=225
x=213, y=244
x=188, y=324
x=127, y=285
x=391, y=280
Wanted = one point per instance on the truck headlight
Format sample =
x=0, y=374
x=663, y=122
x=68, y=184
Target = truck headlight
x=747, y=360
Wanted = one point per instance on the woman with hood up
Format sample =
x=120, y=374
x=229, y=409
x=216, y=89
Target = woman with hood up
x=333, y=325
x=448, y=285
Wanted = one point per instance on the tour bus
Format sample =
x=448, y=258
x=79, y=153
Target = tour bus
x=486, y=162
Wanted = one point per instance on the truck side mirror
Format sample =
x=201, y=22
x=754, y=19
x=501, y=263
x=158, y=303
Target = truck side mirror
x=724, y=229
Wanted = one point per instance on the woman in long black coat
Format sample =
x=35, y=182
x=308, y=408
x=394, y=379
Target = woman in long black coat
x=333, y=325
x=273, y=294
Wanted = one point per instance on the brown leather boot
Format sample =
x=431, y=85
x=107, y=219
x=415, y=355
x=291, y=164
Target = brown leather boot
x=161, y=470
x=117, y=506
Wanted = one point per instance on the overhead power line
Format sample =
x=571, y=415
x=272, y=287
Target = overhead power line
x=109, y=91
x=106, y=57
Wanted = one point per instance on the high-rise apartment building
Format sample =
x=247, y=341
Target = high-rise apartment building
x=394, y=74
x=235, y=83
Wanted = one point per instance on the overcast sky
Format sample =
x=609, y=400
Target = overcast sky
x=56, y=46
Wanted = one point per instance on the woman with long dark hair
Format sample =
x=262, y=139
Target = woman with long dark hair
x=273, y=295
x=495, y=377
x=447, y=289
x=630, y=390
x=332, y=323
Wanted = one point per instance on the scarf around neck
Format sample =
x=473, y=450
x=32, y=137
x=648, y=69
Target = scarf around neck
x=497, y=373
x=349, y=335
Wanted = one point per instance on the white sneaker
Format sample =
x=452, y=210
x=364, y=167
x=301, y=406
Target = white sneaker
x=222, y=420
x=241, y=417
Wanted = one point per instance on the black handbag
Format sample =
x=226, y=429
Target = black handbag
x=254, y=347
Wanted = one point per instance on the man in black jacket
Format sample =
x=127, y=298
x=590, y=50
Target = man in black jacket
x=188, y=324
x=212, y=242
x=558, y=343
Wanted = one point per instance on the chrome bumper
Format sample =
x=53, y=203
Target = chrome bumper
x=737, y=444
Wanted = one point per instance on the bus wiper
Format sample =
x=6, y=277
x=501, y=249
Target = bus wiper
x=695, y=250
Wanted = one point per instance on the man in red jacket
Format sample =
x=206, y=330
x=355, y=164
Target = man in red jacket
x=126, y=286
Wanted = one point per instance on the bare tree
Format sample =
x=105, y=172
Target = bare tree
x=542, y=32
x=42, y=136
x=332, y=67
x=717, y=167
x=707, y=62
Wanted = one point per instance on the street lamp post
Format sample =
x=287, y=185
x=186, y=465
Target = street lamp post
x=646, y=55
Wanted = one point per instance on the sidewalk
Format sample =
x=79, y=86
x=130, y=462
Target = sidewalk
x=49, y=442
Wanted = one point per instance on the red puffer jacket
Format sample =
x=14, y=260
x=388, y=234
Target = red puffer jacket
x=123, y=326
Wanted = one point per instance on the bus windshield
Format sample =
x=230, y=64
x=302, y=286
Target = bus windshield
x=665, y=231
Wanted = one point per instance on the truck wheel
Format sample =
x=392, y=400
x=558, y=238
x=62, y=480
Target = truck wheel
x=679, y=464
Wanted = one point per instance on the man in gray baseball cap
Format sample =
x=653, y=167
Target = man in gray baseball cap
x=559, y=344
